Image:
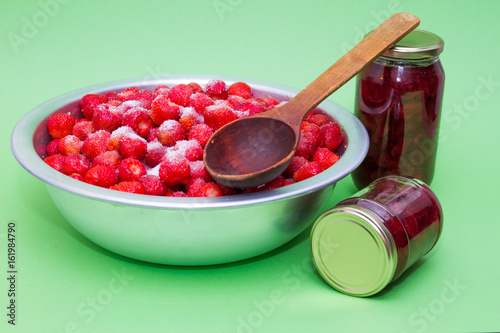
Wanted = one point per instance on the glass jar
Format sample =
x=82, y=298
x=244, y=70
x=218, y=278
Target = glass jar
x=367, y=241
x=398, y=99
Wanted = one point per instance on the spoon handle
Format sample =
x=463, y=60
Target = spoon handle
x=371, y=47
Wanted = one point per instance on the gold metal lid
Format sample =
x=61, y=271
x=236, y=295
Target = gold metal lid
x=418, y=44
x=353, y=251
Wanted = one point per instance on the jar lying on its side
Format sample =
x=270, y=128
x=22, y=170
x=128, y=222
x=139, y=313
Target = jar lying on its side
x=367, y=241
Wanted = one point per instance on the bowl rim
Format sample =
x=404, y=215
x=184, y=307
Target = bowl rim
x=22, y=147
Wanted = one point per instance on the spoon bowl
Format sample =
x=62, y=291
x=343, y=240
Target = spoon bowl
x=254, y=150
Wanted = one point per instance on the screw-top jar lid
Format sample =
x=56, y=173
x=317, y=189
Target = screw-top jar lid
x=353, y=251
x=417, y=44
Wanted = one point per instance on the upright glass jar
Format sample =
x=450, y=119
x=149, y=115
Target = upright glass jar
x=367, y=241
x=398, y=99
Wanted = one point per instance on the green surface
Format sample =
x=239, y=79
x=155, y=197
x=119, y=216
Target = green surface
x=64, y=283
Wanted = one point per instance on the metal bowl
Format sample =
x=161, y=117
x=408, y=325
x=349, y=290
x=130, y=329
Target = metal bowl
x=185, y=231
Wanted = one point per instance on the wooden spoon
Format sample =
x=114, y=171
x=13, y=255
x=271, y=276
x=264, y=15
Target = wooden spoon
x=256, y=149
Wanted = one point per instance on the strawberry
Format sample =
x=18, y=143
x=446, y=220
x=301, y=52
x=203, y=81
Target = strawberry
x=55, y=161
x=161, y=90
x=163, y=109
x=129, y=187
x=114, y=139
x=296, y=163
x=170, y=132
x=325, y=157
x=217, y=116
x=101, y=175
x=153, y=185
x=75, y=164
x=95, y=144
x=89, y=102
x=198, y=170
x=174, y=169
x=240, y=89
x=199, y=101
x=70, y=144
x=209, y=189
x=180, y=94
x=60, y=125
x=252, y=106
x=52, y=147
x=109, y=158
x=130, y=169
x=190, y=149
x=216, y=89
x=333, y=136
x=105, y=119
x=306, y=171
x=235, y=101
x=201, y=133
x=129, y=94
x=317, y=119
x=83, y=128
x=138, y=120
x=132, y=145
x=195, y=87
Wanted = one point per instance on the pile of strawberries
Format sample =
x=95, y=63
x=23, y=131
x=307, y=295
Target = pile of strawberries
x=151, y=142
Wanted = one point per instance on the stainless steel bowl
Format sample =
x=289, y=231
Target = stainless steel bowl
x=185, y=231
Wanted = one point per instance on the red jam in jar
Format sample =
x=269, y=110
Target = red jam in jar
x=367, y=241
x=398, y=99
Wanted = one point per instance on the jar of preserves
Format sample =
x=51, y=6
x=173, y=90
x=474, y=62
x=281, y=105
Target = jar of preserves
x=367, y=241
x=398, y=99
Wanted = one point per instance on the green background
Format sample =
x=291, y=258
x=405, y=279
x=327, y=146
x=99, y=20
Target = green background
x=67, y=284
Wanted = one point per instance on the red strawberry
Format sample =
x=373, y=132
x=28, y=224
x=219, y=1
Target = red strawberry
x=129, y=187
x=325, y=157
x=154, y=154
x=174, y=169
x=130, y=169
x=195, y=87
x=95, y=144
x=89, y=102
x=129, y=94
x=105, y=119
x=153, y=185
x=83, y=128
x=70, y=144
x=308, y=170
x=209, y=189
x=252, y=106
x=138, y=119
x=201, y=133
x=317, y=119
x=56, y=161
x=333, y=135
x=101, y=175
x=198, y=170
x=199, y=101
x=217, y=116
x=60, y=125
x=132, y=145
x=296, y=163
x=180, y=94
x=216, y=89
x=170, y=132
x=240, y=89
x=190, y=149
x=52, y=147
x=109, y=158
x=75, y=164
x=163, y=109
x=161, y=90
